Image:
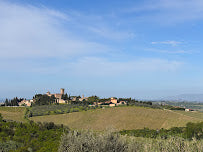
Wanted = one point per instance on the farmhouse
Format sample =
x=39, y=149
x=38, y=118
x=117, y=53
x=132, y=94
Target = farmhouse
x=25, y=103
x=114, y=100
x=189, y=110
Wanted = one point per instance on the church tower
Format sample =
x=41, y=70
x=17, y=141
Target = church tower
x=62, y=91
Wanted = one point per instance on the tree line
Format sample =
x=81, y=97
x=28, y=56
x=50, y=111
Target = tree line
x=192, y=130
x=12, y=102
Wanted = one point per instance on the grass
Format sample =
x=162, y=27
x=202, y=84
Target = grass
x=57, y=109
x=198, y=107
x=120, y=118
x=13, y=113
x=193, y=114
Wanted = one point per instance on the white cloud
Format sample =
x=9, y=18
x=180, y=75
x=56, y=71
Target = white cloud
x=172, y=43
x=171, y=51
x=28, y=31
x=111, y=34
x=170, y=11
x=101, y=26
x=94, y=66
x=103, y=67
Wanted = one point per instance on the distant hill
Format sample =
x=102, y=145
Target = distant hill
x=185, y=97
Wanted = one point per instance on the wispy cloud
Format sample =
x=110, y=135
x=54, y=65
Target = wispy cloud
x=93, y=66
x=28, y=31
x=112, y=34
x=171, y=51
x=170, y=11
x=102, y=26
x=105, y=68
x=172, y=43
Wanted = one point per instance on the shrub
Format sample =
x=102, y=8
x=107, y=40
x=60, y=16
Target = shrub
x=111, y=142
x=9, y=146
x=90, y=142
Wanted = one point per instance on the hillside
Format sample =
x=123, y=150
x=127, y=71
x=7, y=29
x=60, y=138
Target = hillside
x=13, y=113
x=123, y=118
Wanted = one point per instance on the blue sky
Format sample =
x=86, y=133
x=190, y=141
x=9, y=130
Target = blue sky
x=142, y=49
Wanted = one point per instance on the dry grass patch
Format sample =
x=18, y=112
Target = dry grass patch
x=13, y=113
x=120, y=118
x=194, y=114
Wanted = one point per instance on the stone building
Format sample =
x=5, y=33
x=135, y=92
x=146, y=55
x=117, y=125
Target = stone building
x=114, y=100
x=58, y=96
x=83, y=98
x=25, y=103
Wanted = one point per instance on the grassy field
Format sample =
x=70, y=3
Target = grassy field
x=121, y=118
x=193, y=114
x=13, y=113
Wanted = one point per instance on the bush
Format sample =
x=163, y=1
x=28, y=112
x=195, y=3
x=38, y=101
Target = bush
x=192, y=130
x=9, y=146
x=90, y=142
x=30, y=136
x=111, y=142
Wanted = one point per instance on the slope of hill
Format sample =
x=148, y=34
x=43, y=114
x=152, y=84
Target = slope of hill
x=13, y=113
x=122, y=118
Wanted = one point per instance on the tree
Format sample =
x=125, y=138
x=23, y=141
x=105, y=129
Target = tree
x=6, y=102
x=44, y=99
x=1, y=118
x=13, y=102
x=93, y=99
x=65, y=97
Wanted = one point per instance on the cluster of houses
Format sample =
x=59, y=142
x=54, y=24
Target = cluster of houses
x=59, y=99
x=112, y=102
x=25, y=102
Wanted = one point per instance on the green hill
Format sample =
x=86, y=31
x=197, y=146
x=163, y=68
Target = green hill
x=123, y=118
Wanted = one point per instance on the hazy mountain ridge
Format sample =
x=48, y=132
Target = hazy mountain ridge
x=185, y=97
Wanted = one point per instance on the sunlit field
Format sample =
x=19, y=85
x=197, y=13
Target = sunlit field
x=123, y=118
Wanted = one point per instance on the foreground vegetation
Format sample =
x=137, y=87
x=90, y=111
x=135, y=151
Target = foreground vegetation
x=24, y=137
x=192, y=130
x=111, y=142
x=119, y=118
x=48, y=137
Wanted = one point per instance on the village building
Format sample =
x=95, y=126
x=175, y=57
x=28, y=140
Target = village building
x=122, y=103
x=114, y=100
x=58, y=96
x=83, y=98
x=27, y=103
x=188, y=110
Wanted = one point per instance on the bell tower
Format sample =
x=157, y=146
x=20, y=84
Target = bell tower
x=62, y=91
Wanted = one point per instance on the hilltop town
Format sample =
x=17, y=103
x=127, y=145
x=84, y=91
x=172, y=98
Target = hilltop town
x=64, y=98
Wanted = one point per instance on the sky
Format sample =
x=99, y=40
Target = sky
x=141, y=49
